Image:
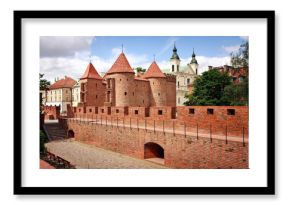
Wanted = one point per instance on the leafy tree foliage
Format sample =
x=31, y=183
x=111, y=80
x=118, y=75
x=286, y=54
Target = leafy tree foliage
x=241, y=58
x=237, y=94
x=209, y=89
x=43, y=83
x=140, y=69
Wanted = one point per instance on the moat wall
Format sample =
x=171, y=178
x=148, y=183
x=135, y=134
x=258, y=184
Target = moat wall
x=180, y=150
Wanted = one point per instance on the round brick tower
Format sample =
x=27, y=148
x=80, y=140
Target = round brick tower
x=123, y=75
x=158, y=84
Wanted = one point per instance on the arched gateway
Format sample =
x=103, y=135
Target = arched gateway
x=70, y=134
x=153, y=150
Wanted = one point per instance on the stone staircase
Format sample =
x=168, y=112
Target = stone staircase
x=54, y=131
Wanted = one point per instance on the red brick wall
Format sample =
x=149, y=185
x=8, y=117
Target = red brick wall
x=219, y=121
x=51, y=112
x=180, y=151
x=94, y=92
x=142, y=112
x=156, y=114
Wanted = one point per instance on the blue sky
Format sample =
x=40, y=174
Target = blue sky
x=69, y=55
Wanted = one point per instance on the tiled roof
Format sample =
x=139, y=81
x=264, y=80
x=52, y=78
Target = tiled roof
x=138, y=78
x=91, y=73
x=121, y=65
x=66, y=82
x=154, y=72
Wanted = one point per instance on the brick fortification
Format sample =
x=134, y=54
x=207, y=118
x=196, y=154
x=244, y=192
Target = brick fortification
x=51, y=112
x=137, y=116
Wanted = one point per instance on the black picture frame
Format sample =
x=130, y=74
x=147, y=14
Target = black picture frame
x=267, y=190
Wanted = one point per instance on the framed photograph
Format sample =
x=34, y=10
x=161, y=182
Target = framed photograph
x=144, y=102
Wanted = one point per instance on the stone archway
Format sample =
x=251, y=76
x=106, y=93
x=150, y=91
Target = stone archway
x=70, y=134
x=154, y=152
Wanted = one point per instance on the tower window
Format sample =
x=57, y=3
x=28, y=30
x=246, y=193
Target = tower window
x=136, y=112
x=133, y=93
x=90, y=110
x=120, y=79
x=172, y=68
x=103, y=110
x=96, y=96
x=231, y=111
x=125, y=93
x=158, y=94
x=96, y=85
x=210, y=111
x=117, y=111
x=159, y=112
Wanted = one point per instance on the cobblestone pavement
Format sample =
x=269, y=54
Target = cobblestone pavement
x=85, y=156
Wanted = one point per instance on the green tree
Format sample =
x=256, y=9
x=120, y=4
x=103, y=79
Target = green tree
x=237, y=94
x=241, y=58
x=43, y=83
x=209, y=89
x=140, y=69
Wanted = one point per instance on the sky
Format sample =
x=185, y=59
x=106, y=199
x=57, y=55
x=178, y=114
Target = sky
x=69, y=55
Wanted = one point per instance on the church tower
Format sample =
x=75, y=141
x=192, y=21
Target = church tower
x=174, y=61
x=193, y=63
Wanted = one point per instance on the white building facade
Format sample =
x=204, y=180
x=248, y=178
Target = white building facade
x=184, y=77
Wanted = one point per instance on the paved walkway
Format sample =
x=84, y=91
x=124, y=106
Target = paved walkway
x=85, y=156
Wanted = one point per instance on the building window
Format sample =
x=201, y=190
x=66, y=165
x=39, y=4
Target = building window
x=90, y=110
x=117, y=111
x=231, y=111
x=188, y=81
x=136, y=112
x=103, y=110
x=210, y=111
x=79, y=110
x=177, y=68
x=125, y=93
x=178, y=100
x=158, y=94
x=133, y=93
x=172, y=68
x=191, y=110
x=127, y=79
x=96, y=96
x=143, y=101
x=159, y=112
x=96, y=84
x=178, y=84
x=120, y=79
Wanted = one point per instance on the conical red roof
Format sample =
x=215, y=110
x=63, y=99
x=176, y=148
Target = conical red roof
x=121, y=65
x=91, y=72
x=154, y=72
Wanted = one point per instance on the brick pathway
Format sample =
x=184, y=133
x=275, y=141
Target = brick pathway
x=85, y=156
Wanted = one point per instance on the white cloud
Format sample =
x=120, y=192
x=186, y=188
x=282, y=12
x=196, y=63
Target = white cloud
x=245, y=38
x=61, y=46
x=230, y=49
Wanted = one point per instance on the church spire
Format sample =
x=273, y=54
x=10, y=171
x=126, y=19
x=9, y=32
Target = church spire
x=193, y=60
x=175, y=55
x=193, y=54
